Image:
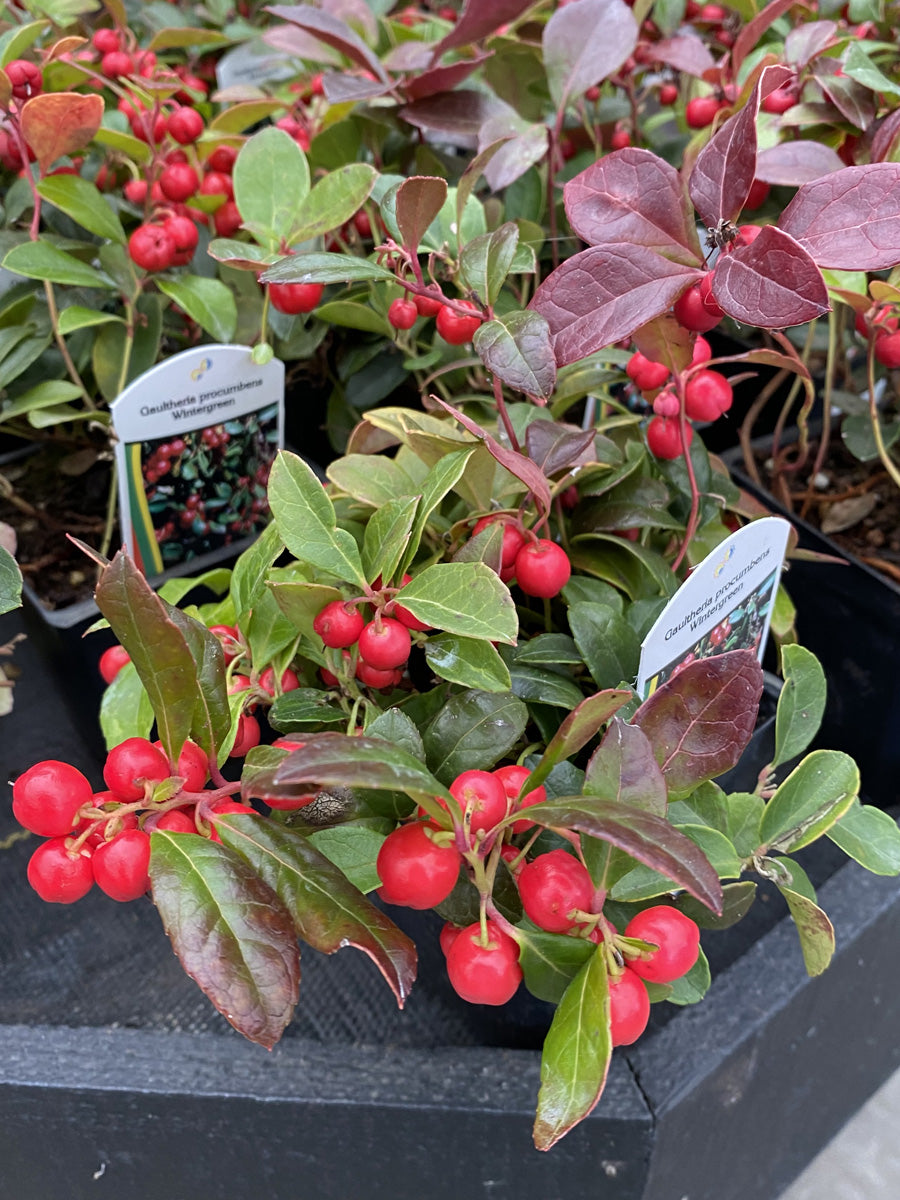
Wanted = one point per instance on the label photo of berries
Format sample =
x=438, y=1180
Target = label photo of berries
x=197, y=435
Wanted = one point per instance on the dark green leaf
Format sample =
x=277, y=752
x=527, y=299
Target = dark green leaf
x=474, y=729
x=84, y=203
x=870, y=836
x=212, y=715
x=543, y=685
x=231, y=932
x=548, y=649
x=643, y=883
x=800, y=704
x=815, y=930
x=550, y=961
x=125, y=708
x=395, y=727
x=301, y=707
x=516, y=347
x=692, y=987
x=583, y=723
x=354, y=849
x=607, y=642
x=209, y=302
x=323, y=268
x=737, y=899
x=484, y=263
x=388, y=536
x=467, y=661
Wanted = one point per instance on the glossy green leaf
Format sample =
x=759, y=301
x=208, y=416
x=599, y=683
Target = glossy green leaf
x=468, y=661
x=583, y=723
x=43, y=260
x=209, y=302
x=301, y=707
x=801, y=703
x=643, y=883
x=125, y=143
x=16, y=40
x=10, y=582
x=232, y=933
x=306, y=521
x=111, y=348
x=267, y=629
x=548, y=649
x=212, y=716
x=350, y=314
x=737, y=900
x=84, y=203
x=814, y=928
x=628, y=566
x=576, y=1054
x=516, y=347
x=745, y=814
x=542, y=685
x=692, y=987
x=387, y=536
x=125, y=710
x=623, y=768
x=608, y=644
x=442, y=477
x=464, y=598
x=817, y=793
x=870, y=836
x=302, y=602
x=332, y=201
x=77, y=317
x=550, y=961
x=328, y=912
x=324, y=267
x=373, y=479
x=354, y=850
x=249, y=574
x=271, y=179
x=484, y=262
x=474, y=729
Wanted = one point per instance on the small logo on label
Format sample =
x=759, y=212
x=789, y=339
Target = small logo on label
x=726, y=559
x=199, y=372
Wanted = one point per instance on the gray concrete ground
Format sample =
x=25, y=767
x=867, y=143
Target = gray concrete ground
x=863, y=1161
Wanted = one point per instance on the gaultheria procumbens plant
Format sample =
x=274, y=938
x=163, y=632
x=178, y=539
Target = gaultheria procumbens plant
x=457, y=733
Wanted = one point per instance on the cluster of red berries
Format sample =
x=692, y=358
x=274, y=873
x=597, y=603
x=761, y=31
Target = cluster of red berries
x=455, y=327
x=160, y=462
x=883, y=323
x=539, y=566
x=104, y=837
x=383, y=643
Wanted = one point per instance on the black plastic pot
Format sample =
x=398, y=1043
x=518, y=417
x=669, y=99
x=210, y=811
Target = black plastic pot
x=117, y=1078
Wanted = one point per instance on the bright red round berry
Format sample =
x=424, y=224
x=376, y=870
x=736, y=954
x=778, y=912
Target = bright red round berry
x=288, y=682
x=780, y=100
x=47, y=796
x=456, y=328
x=430, y=305
x=248, y=735
x=629, y=1008
x=220, y=809
x=58, y=876
x=116, y=63
x=758, y=194
x=106, y=41
x=887, y=349
x=677, y=937
x=151, y=247
x=701, y=111
x=664, y=437
x=403, y=314
x=26, y=78
x=542, y=568
x=551, y=886
x=130, y=763
x=112, y=661
x=177, y=820
x=645, y=373
x=484, y=974
x=339, y=624
x=668, y=93
x=179, y=181
x=185, y=125
x=482, y=795
x=707, y=395
x=295, y=298
x=385, y=644
x=414, y=870
x=227, y=219
x=374, y=677
x=192, y=766
x=222, y=160
x=514, y=779
x=121, y=865
x=691, y=311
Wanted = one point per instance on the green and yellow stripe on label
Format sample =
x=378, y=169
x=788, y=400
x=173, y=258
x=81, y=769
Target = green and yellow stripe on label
x=146, y=547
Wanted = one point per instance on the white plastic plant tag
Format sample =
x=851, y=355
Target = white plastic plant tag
x=253, y=63
x=724, y=604
x=196, y=436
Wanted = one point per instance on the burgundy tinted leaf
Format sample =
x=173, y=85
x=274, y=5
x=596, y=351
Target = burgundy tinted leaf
x=884, y=143
x=623, y=769
x=647, y=837
x=725, y=168
x=294, y=41
x=348, y=89
x=515, y=155
x=418, y=201
x=516, y=348
x=604, y=294
x=443, y=79
x=478, y=19
x=700, y=722
x=586, y=43
x=333, y=759
x=558, y=447
x=772, y=283
x=794, y=163
x=634, y=196
x=158, y=649
x=408, y=56
x=459, y=114
x=332, y=31
x=804, y=42
x=473, y=171
x=328, y=911
x=850, y=98
x=517, y=464
x=751, y=32
x=665, y=340
x=582, y=723
x=849, y=220
x=782, y=362
x=212, y=715
x=685, y=53
x=233, y=935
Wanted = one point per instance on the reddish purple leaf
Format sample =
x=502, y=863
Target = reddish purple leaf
x=517, y=464
x=555, y=446
x=700, y=722
x=604, y=294
x=624, y=769
x=418, y=201
x=849, y=220
x=725, y=168
x=516, y=348
x=634, y=196
x=665, y=340
x=751, y=32
x=332, y=31
x=586, y=43
x=772, y=283
x=582, y=723
x=884, y=142
x=794, y=163
x=408, y=56
x=443, y=79
x=478, y=19
x=341, y=88
x=459, y=115
x=852, y=100
x=684, y=52
x=514, y=156
x=806, y=42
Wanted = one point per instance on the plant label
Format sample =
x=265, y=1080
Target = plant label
x=724, y=604
x=196, y=436
x=253, y=63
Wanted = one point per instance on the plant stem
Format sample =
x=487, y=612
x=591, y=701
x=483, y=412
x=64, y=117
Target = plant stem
x=691, y=527
x=504, y=415
x=109, y=524
x=889, y=465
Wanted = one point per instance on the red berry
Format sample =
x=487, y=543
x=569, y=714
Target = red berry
x=707, y=395
x=620, y=139
x=514, y=779
x=668, y=93
x=484, y=974
x=666, y=404
x=112, y=661
x=780, y=100
x=295, y=297
x=701, y=111
x=513, y=537
x=177, y=820
x=222, y=160
x=403, y=314
x=227, y=219
x=130, y=763
x=431, y=305
x=179, y=181
x=702, y=351
x=448, y=935
x=116, y=63
x=404, y=616
x=288, y=682
x=185, y=125
x=887, y=349
x=151, y=247
x=645, y=373
x=629, y=1008
x=363, y=224
x=677, y=937
x=47, y=797
x=247, y=736
x=217, y=184
x=58, y=876
x=455, y=328
x=185, y=235
x=758, y=194
x=136, y=190
x=414, y=870
x=106, y=41
x=192, y=766
x=482, y=796
x=693, y=313
x=339, y=624
x=26, y=78
x=374, y=677
x=542, y=568
x=384, y=647
x=664, y=437
x=121, y=865
x=552, y=886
